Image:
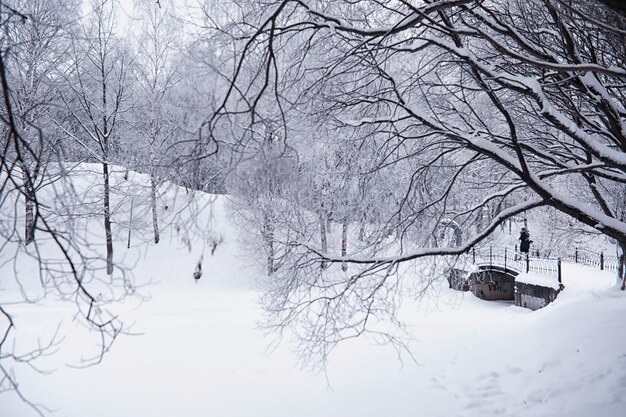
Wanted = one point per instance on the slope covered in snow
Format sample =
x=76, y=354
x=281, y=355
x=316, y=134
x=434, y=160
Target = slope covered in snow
x=196, y=349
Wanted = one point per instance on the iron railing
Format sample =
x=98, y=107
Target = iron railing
x=513, y=260
x=593, y=259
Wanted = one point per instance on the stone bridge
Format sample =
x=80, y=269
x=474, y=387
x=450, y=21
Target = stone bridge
x=492, y=273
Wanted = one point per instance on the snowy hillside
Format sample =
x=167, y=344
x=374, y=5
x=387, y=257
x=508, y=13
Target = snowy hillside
x=196, y=350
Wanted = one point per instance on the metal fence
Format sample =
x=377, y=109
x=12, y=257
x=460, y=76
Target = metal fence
x=513, y=260
x=593, y=259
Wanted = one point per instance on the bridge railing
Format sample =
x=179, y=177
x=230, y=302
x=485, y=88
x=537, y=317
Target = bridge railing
x=545, y=266
x=612, y=263
x=510, y=259
x=593, y=259
x=497, y=256
x=515, y=261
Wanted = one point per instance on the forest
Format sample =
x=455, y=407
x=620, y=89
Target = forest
x=352, y=139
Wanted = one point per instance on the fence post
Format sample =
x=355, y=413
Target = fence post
x=473, y=255
x=621, y=272
x=527, y=263
x=559, y=271
x=489, y=256
x=505, y=260
x=602, y=261
x=576, y=255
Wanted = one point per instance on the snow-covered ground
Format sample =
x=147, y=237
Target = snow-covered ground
x=198, y=351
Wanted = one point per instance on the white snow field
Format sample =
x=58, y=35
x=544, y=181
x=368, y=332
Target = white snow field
x=198, y=351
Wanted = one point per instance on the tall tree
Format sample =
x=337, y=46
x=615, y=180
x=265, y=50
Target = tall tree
x=35, y=45
x=33, y=57
x=156, y=69
x=97, y=95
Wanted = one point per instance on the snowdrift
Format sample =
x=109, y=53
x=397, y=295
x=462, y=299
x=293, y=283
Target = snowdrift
x=196, y=349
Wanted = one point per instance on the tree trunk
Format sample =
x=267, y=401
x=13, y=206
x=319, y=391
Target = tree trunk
x=344, y=244
x=107, y=219
x=29, y=206
x=362, y=230
x=323, y=238
x=268, y=237
x=155, y=222
x=621, y=270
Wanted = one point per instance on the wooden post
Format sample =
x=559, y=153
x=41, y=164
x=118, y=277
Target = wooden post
x=559, y=270
x=576, y=255
x=473, y=255
x=527, y=263
x=489, y=257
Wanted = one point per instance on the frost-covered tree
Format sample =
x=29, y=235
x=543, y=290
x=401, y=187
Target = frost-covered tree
x=492, y=108
x=34, y=45
x=158, y=120
x=264, y=186
x=96, y=95
x=35, y=53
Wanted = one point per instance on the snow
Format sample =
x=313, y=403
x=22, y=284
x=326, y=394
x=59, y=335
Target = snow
x=198, y=351
x=535, y=278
